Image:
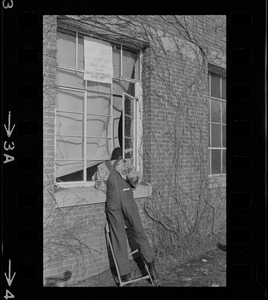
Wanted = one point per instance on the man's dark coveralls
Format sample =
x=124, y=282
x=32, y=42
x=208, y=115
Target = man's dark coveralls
x=121, y=209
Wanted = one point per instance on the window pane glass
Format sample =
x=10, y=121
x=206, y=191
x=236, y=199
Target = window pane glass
x=69, y=147
x=209, y=160
x=223, y=88
x=223, y=135
x=117, y=121
x=98, y=126
x=128, y=144
x=120, y=86
x=98, y=149
x=129, y=106
x=104, y=87
x=129, y=154
x=65, y=171
x=223, y=161
x=215, y=85
x=215, y=111
x=129, y=62
x=224, y=112
x=70, y=79
x=117, y=107
x=209, y=85
x=116, y=61
x=216, y=135
x=98, y=104
x=70, y=101
x=66, y=49
x=129, y=126
x=92, y=86
x=99, y=87
x=216, y=161
x=209, y=136
x=69, y=124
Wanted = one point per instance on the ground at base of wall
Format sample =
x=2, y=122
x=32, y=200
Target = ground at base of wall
x=208, y=269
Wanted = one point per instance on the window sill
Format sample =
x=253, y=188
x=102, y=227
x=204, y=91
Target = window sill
x=74, y=196
x=216, y=181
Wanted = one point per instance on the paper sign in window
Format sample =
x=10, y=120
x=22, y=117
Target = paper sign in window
x=98, y=61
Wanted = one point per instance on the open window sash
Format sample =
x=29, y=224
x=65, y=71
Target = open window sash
x=129, y=127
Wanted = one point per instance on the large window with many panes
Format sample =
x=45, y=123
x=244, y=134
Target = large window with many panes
x=217, y=124
x=93, y=118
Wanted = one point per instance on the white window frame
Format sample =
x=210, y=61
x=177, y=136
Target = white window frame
x=138, y=117
x=210, y=148
x=135, y=105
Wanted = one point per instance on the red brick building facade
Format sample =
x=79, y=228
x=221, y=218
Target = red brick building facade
x=168, y=84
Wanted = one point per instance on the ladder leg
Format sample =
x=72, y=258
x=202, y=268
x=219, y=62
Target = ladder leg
x=121, y=284
x=112, y=252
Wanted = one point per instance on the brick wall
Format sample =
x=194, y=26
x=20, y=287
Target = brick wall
x=175, y=128
x=176, y=117
x=75, y=241
x=76, y=234
x=49, y=96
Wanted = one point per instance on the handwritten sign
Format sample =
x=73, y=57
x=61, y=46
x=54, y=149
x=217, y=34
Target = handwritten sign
x=98, y=60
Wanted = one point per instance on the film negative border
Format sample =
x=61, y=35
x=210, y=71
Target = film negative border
x=246, y=176
x=23, y=189
x=22, y=143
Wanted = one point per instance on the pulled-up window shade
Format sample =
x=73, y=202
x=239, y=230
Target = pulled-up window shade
x=92, y=118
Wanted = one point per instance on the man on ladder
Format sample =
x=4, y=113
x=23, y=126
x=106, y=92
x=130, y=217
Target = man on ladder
x=118, y=178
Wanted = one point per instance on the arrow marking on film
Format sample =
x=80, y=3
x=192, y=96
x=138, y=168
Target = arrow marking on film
x=9, y=132
x=9, y=280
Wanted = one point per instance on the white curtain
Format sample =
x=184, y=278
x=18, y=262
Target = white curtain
x=98, y=129
x=70, y=108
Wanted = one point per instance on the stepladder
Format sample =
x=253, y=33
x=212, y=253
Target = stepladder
x=120, y=283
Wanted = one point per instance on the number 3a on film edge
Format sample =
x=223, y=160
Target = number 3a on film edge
x=7, y=145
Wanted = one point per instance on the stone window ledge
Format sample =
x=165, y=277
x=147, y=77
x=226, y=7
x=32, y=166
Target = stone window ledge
x=216, y=181
x=74, y=196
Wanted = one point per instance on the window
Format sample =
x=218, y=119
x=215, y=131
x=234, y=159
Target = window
x=93, y=118
x=217, y=124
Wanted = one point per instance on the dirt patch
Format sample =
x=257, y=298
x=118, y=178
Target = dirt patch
x=208, y=269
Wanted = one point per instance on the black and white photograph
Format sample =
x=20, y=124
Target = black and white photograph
x=134, y=150
x=134, y=145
